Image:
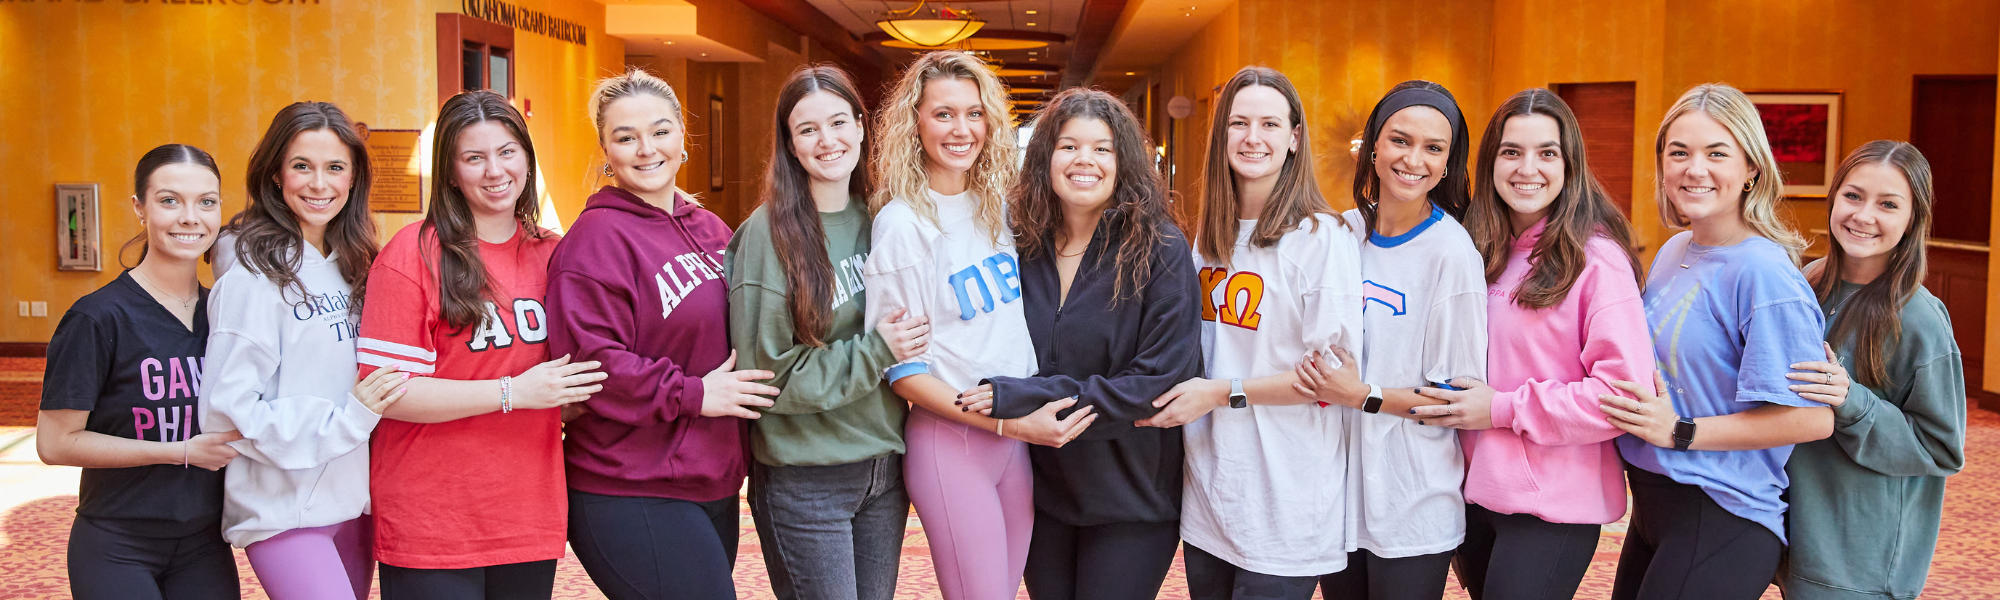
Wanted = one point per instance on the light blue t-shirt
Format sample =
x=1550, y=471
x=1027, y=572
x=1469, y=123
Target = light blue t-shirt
x=1728, y=322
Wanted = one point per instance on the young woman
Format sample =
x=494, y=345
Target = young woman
x=1264, y=503
x=942, y=250
x=656, y=459
x=119, y=399
x=1564, y=319
x=1865, y=504
x=467, y=495
x=297, y=499
x=1729, y=312
x=1426, y=318
x=1098, y=242
x=826, y=490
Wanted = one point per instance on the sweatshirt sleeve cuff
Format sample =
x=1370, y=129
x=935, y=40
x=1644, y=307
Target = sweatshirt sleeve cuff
x=689, y=401
x=905, y=370
x=363, y=417
x=1503, y=409
x=1857, y=406
x=1006, y=392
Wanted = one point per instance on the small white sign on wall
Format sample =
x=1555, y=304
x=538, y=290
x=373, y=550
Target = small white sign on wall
x=79, y=247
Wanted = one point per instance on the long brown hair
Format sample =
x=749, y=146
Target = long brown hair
x=1296, y=197
x=899, y=170
x=1450, y=192
x=463, y=283
x=796, y=231
x=142, y=181
x=1581, y=210
x=268, y=239
x=1871, y=318
x=1138, y=192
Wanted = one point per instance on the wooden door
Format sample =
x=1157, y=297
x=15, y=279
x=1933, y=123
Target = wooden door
x=1951, y=122
x=1605, y=112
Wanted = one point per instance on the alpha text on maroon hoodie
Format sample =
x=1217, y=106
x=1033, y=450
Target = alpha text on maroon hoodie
x=642, y=291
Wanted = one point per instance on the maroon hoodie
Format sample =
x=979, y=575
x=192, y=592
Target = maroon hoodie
x=642, y=291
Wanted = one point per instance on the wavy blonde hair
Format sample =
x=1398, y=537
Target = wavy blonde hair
x=636, y=81
x=899, y=159
x=1759, y=206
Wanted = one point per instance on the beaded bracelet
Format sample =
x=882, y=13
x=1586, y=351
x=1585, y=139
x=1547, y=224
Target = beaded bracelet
x=507, y=394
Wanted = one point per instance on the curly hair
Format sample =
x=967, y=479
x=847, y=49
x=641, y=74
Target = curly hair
x=1138, y=192
x=899, y=165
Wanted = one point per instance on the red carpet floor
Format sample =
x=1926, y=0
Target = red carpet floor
x=38, y=503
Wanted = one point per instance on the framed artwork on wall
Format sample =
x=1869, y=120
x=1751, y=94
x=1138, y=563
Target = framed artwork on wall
x=1804, y=129
x=78, y=245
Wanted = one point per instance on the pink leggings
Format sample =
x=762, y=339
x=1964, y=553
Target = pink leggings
x=335, y=562
x=975, y=494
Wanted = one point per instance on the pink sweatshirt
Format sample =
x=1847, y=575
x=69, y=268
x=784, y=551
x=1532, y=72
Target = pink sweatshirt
x=1549, y=453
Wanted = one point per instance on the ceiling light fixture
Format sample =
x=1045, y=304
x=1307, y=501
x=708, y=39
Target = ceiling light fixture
x=949, y=26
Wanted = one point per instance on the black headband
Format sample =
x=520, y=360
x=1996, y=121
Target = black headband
x=1398, y=100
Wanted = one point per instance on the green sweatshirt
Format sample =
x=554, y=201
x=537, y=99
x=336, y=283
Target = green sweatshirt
x=1865, y=503
x=835, y=408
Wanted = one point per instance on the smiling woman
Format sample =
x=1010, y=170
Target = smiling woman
x=638, y=286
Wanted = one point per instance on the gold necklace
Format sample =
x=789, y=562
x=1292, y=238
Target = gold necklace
x=1689, y=264
x=147, y=283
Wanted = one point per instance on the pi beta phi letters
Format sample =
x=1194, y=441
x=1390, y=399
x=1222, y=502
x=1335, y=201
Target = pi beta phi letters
x=1006, y=274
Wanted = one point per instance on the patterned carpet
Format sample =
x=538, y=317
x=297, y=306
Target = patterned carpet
x=38, y=503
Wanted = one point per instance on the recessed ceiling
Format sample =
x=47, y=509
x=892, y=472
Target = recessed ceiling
x=1057, y=17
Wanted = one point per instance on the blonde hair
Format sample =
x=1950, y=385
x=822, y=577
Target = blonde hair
x=899, y=161
x=1759, y=206
x=636, y=81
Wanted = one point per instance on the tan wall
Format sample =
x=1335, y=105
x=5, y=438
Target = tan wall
x=87, y=88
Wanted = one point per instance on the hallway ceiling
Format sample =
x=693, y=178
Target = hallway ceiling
x=1076, y=30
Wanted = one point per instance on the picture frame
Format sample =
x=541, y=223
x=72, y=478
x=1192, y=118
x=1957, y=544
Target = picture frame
x=79, y=243
x=1804, y=128
x=715, y=137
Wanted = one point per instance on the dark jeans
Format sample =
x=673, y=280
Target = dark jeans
x=107, y=563
x=1211, y=578
x=655, y=548
x=831, y=532
x=1522, y=557
x=1114, y=561
x=1682, y=545
x=534, y=580
x=1371, y=577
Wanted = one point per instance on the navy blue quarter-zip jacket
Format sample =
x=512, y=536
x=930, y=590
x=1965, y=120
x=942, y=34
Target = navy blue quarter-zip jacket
x=1117, y=357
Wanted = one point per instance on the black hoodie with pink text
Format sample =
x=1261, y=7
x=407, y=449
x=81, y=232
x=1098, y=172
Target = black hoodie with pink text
x=641, y=290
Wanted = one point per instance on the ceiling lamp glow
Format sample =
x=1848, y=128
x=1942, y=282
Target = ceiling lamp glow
x=949, y=28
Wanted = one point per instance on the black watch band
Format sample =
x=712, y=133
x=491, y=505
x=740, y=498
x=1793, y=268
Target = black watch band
x=1683, y=434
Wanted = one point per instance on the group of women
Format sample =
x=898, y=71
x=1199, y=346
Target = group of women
x=1460, y=373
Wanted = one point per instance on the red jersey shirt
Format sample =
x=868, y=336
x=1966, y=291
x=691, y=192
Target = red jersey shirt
x=479, y=491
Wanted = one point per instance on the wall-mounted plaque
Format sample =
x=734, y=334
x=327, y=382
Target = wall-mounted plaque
x=78, y=243
x=399, y=172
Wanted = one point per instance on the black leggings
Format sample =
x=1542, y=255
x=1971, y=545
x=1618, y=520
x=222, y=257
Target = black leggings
x=1211, y=578
x=1371, y=577
x=1113, y=561
x=534, y=580
x=656, y=548
x=1682, y=545
x=1522, y=557
x=107, y=563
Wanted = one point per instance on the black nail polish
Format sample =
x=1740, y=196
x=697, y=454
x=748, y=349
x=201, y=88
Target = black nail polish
x=957, y=402
x=961, y=409
x=1413, y=411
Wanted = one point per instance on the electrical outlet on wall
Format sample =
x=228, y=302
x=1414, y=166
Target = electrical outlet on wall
x=24, y=308
x=40, y=309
